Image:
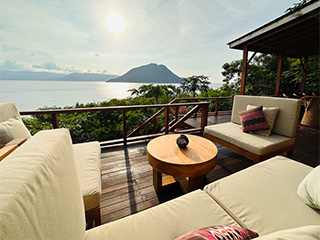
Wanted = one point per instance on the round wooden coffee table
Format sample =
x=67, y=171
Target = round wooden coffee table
x=186, y=166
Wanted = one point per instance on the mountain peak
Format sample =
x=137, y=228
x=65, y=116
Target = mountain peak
x=151, y=73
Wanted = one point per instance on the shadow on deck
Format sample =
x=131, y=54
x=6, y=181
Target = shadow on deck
x=127, y=186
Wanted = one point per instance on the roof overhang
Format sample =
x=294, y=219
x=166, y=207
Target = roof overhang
x=293, y=35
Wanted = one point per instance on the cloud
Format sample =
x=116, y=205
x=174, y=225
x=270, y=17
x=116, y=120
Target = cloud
x=49, y=65
x=12, y=65
x=72, y=70
x=7, y=48
x=97, y=54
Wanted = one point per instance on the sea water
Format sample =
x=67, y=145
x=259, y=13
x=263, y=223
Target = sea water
x=31, y=95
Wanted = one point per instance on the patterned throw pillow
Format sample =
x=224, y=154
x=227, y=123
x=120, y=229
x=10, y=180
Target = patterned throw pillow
x=253, y=119
x=219, y=233
x=270, y=114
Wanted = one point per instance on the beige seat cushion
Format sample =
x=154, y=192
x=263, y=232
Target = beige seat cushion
x=40, y=195
x=264, y=197
x=166, y=221
x=88, y=162
x=305, y=233
x=257, y=144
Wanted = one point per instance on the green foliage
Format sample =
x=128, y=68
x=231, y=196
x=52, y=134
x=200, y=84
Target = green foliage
x=299, y=5
x=98, y=126
x=159, y=93
x=262, y=75
x=224, y=91
x=195, y=84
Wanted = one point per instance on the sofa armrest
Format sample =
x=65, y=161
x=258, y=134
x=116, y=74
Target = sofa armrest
x=10, y=147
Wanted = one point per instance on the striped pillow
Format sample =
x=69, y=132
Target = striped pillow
x=219, y=232
x=253, y=119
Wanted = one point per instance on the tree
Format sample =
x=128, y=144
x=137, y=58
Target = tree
x=297, y=6
x=165, y=92
x=195, y=84
x=261, y=75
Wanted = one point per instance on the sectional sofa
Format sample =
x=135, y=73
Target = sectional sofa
x=41, y=198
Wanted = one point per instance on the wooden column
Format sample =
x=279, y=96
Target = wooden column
x=304, y=75
x=244, y=70
x=277, y=90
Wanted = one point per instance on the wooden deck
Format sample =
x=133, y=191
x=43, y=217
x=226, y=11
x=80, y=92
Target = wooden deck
x=127, y=176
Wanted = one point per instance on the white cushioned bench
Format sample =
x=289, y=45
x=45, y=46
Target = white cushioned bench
x=253, y=146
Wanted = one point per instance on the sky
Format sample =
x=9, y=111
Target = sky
x=188, y=36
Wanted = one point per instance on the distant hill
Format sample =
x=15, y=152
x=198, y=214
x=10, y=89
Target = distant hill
x=29, y=75
x=88, y=77
x=152, y=73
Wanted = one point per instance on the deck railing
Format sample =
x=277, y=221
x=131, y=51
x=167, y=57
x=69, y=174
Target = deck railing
x=197, y=106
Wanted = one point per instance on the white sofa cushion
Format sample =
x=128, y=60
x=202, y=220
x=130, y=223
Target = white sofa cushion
x=166, y=221
x=288, y=115
x=40, y=193
x=87, y=156
x=309, y=188
x=11, y=129
x=257, y=144
x=264, y=197
x=299, y=233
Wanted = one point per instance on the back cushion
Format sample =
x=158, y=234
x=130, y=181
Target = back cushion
x=288, y=115
x=8, y=110
x=39, y=190
x=12, y=129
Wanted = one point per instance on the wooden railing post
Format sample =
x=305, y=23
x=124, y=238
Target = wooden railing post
x=55, y=120
x=204, y=115
x=124, y=127
x=166, y=120
x=155, y=125
x=216, y=107
x=176, y=113
x=195, y=114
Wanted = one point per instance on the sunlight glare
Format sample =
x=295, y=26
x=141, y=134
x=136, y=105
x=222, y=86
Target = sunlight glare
x=118, y=88
x=115, y=23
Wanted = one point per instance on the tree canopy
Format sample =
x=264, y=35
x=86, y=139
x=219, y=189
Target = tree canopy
x=195, y=84
x=156, y=92
x=262, y=75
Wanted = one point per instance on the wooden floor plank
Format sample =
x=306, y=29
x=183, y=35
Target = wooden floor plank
x=127, y=185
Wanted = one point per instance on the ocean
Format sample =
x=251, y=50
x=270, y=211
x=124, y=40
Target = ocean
x=31, y=95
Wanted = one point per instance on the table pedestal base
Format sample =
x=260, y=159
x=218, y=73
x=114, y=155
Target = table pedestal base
x=186, y=184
